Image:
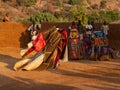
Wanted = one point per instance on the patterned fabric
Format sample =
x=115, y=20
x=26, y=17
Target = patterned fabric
x=64, y=42
x=74, y=48
x=52, y=43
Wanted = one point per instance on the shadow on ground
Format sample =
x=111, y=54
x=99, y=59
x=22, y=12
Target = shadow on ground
x=9, y=60
x=26, y=84
x=108, y=78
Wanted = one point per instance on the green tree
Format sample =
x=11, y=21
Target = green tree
x=40, y=17
x=109, y=16
x=94, y=16
x=43, y=17
x=78, y=14
x=101, y=16
x=113, y=15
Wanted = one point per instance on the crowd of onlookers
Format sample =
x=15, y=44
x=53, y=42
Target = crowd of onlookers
x=88, y=42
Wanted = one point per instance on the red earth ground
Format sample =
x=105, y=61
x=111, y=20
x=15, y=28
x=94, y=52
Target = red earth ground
x=71, y=75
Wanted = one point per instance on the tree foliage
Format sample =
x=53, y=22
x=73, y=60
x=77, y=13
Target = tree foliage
x=43, y=17
x=78, y=14
x=101, y=16
x=110, y=15
x=94, y=16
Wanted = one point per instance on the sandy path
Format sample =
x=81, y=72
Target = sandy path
x=73, y=75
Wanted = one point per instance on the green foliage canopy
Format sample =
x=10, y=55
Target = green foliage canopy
x=43, y=17
x=78, y=14
x=101, y=16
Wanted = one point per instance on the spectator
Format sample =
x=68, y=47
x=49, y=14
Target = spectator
x=80, y=27
x=6, y=18
x=93, y=25
x=89, y=29
x=73, y=25
x=105, y=28
x=96, y=47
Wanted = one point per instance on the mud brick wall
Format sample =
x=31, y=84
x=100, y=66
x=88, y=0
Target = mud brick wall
x=14, y=34
x=114, y=36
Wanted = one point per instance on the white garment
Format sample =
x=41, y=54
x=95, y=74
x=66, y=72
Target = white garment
x=81, y=36
x=65, y=57
x=23, y=51
x=89, y=27
x=69, y=27
x=30, y=44
x=88, y=32
x=105, y=29
x=35, y=63
x=34, y=37
x=31, y=27
x=29, y=64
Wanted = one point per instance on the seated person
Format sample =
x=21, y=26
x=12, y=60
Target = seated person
x=6, y=18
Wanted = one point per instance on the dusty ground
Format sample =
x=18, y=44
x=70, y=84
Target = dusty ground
x=72, y=75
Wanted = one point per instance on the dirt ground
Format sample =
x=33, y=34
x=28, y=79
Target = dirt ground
x=72, y=75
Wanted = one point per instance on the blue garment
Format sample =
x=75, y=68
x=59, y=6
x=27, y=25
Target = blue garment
x=99, y=33
x=104, y=50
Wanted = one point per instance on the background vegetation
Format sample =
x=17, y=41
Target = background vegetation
x=69, y=10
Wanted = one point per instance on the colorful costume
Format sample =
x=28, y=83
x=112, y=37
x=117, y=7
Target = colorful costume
x=48, y=51
x=74, y=45
x=64, y=42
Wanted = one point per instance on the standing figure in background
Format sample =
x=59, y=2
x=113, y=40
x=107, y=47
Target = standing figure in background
x=96, y=47
x=80, y=27
x=105, y=28
x=6, y=18
x=73, y=25
x=93, y=25
x=89, y=29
